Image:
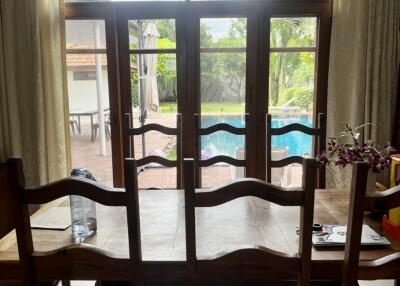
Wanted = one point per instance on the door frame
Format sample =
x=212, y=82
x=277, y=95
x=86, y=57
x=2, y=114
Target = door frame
x=186, y=14
x=319, y=9
x=223, y=9
x=86, y=11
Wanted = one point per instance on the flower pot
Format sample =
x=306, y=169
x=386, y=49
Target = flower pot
x=338, y=177
x=371, y=182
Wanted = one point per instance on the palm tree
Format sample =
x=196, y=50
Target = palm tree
x=287, y=32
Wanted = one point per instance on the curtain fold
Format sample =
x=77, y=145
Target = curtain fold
x=34, y=120
x=363, y=72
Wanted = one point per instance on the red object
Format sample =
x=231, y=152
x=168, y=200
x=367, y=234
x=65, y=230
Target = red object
x=390, y=228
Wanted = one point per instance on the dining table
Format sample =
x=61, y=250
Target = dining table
x=89, y=112
x=233, y=225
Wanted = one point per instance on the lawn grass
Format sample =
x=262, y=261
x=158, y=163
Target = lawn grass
x=214, y=107
x=209, y=107
x=172, y=154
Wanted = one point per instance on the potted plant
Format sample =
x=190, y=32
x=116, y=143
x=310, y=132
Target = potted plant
x=346, y=154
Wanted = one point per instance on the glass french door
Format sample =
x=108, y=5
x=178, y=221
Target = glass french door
x=291, y=90
x=294, y=72
x=92, y=82
x=252, y=61
x=225, y=86
x=223, y=61
x=150, y=71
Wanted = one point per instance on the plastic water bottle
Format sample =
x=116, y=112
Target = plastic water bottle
x=83, y=211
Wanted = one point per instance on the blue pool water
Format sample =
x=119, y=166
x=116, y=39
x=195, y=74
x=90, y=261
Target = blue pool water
x=224, y=143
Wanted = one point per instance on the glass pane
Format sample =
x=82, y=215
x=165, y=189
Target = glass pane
x=293, y=32
x=154, y=100
x=296, y=143
x=223, y=83
x=90, y=129
x=85, y=34
x=222, y=94
x=291, y=100
x=223, y=32
x=220, y=174
x=222, y=89
x=291, y=83
x=156, y=176
x=154, y=88
x=152, y=34
x=222, y=142
x=156, y=143
x=289, y=176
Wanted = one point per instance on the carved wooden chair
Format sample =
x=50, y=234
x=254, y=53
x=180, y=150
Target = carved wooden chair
x=77, y=261
x=129, y=145
x=201, y=163
x=258, y=261
x=319, y=134
x=385, y=268
x=7, y=217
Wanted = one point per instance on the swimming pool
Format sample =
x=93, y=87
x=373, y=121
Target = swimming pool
x=224, y=143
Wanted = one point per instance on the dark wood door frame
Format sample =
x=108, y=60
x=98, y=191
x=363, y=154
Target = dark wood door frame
x=224, y=9
x=78, y=11
x=142, y=11
x=319, y=9
x=187, y=15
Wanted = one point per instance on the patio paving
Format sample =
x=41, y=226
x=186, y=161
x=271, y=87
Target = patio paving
x=86, y=154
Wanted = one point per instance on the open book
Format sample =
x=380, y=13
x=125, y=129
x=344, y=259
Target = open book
x=334, y=235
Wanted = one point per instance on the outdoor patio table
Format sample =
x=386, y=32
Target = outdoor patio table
x=244, y=221
x=86, y=112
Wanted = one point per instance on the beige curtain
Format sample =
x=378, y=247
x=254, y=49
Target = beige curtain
x=33, y=99
x=363, y=72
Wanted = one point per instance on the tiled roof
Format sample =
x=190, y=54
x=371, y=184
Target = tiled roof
x=84, y=60
x=88, y=60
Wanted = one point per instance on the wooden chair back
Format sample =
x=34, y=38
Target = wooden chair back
x=77, y=261
x=385, y=268
x=7, y=187
x=319, y=142
x=200, y=163
x=250, y=261
x=130, y=150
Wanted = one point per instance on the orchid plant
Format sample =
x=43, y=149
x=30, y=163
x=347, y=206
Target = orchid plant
x=341, y=154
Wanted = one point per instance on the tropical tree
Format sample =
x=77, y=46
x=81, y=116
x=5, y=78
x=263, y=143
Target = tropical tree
x=233, y=65
x=291, y=74
x=294, y=70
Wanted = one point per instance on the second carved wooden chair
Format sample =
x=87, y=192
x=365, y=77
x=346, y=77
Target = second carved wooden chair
x=255, y=262
x=385, y=268
x=129, y=150
x=319, y=137
x=206, y=131
x=77, y=261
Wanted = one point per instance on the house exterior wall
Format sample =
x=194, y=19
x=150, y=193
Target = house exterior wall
x=82, y=94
